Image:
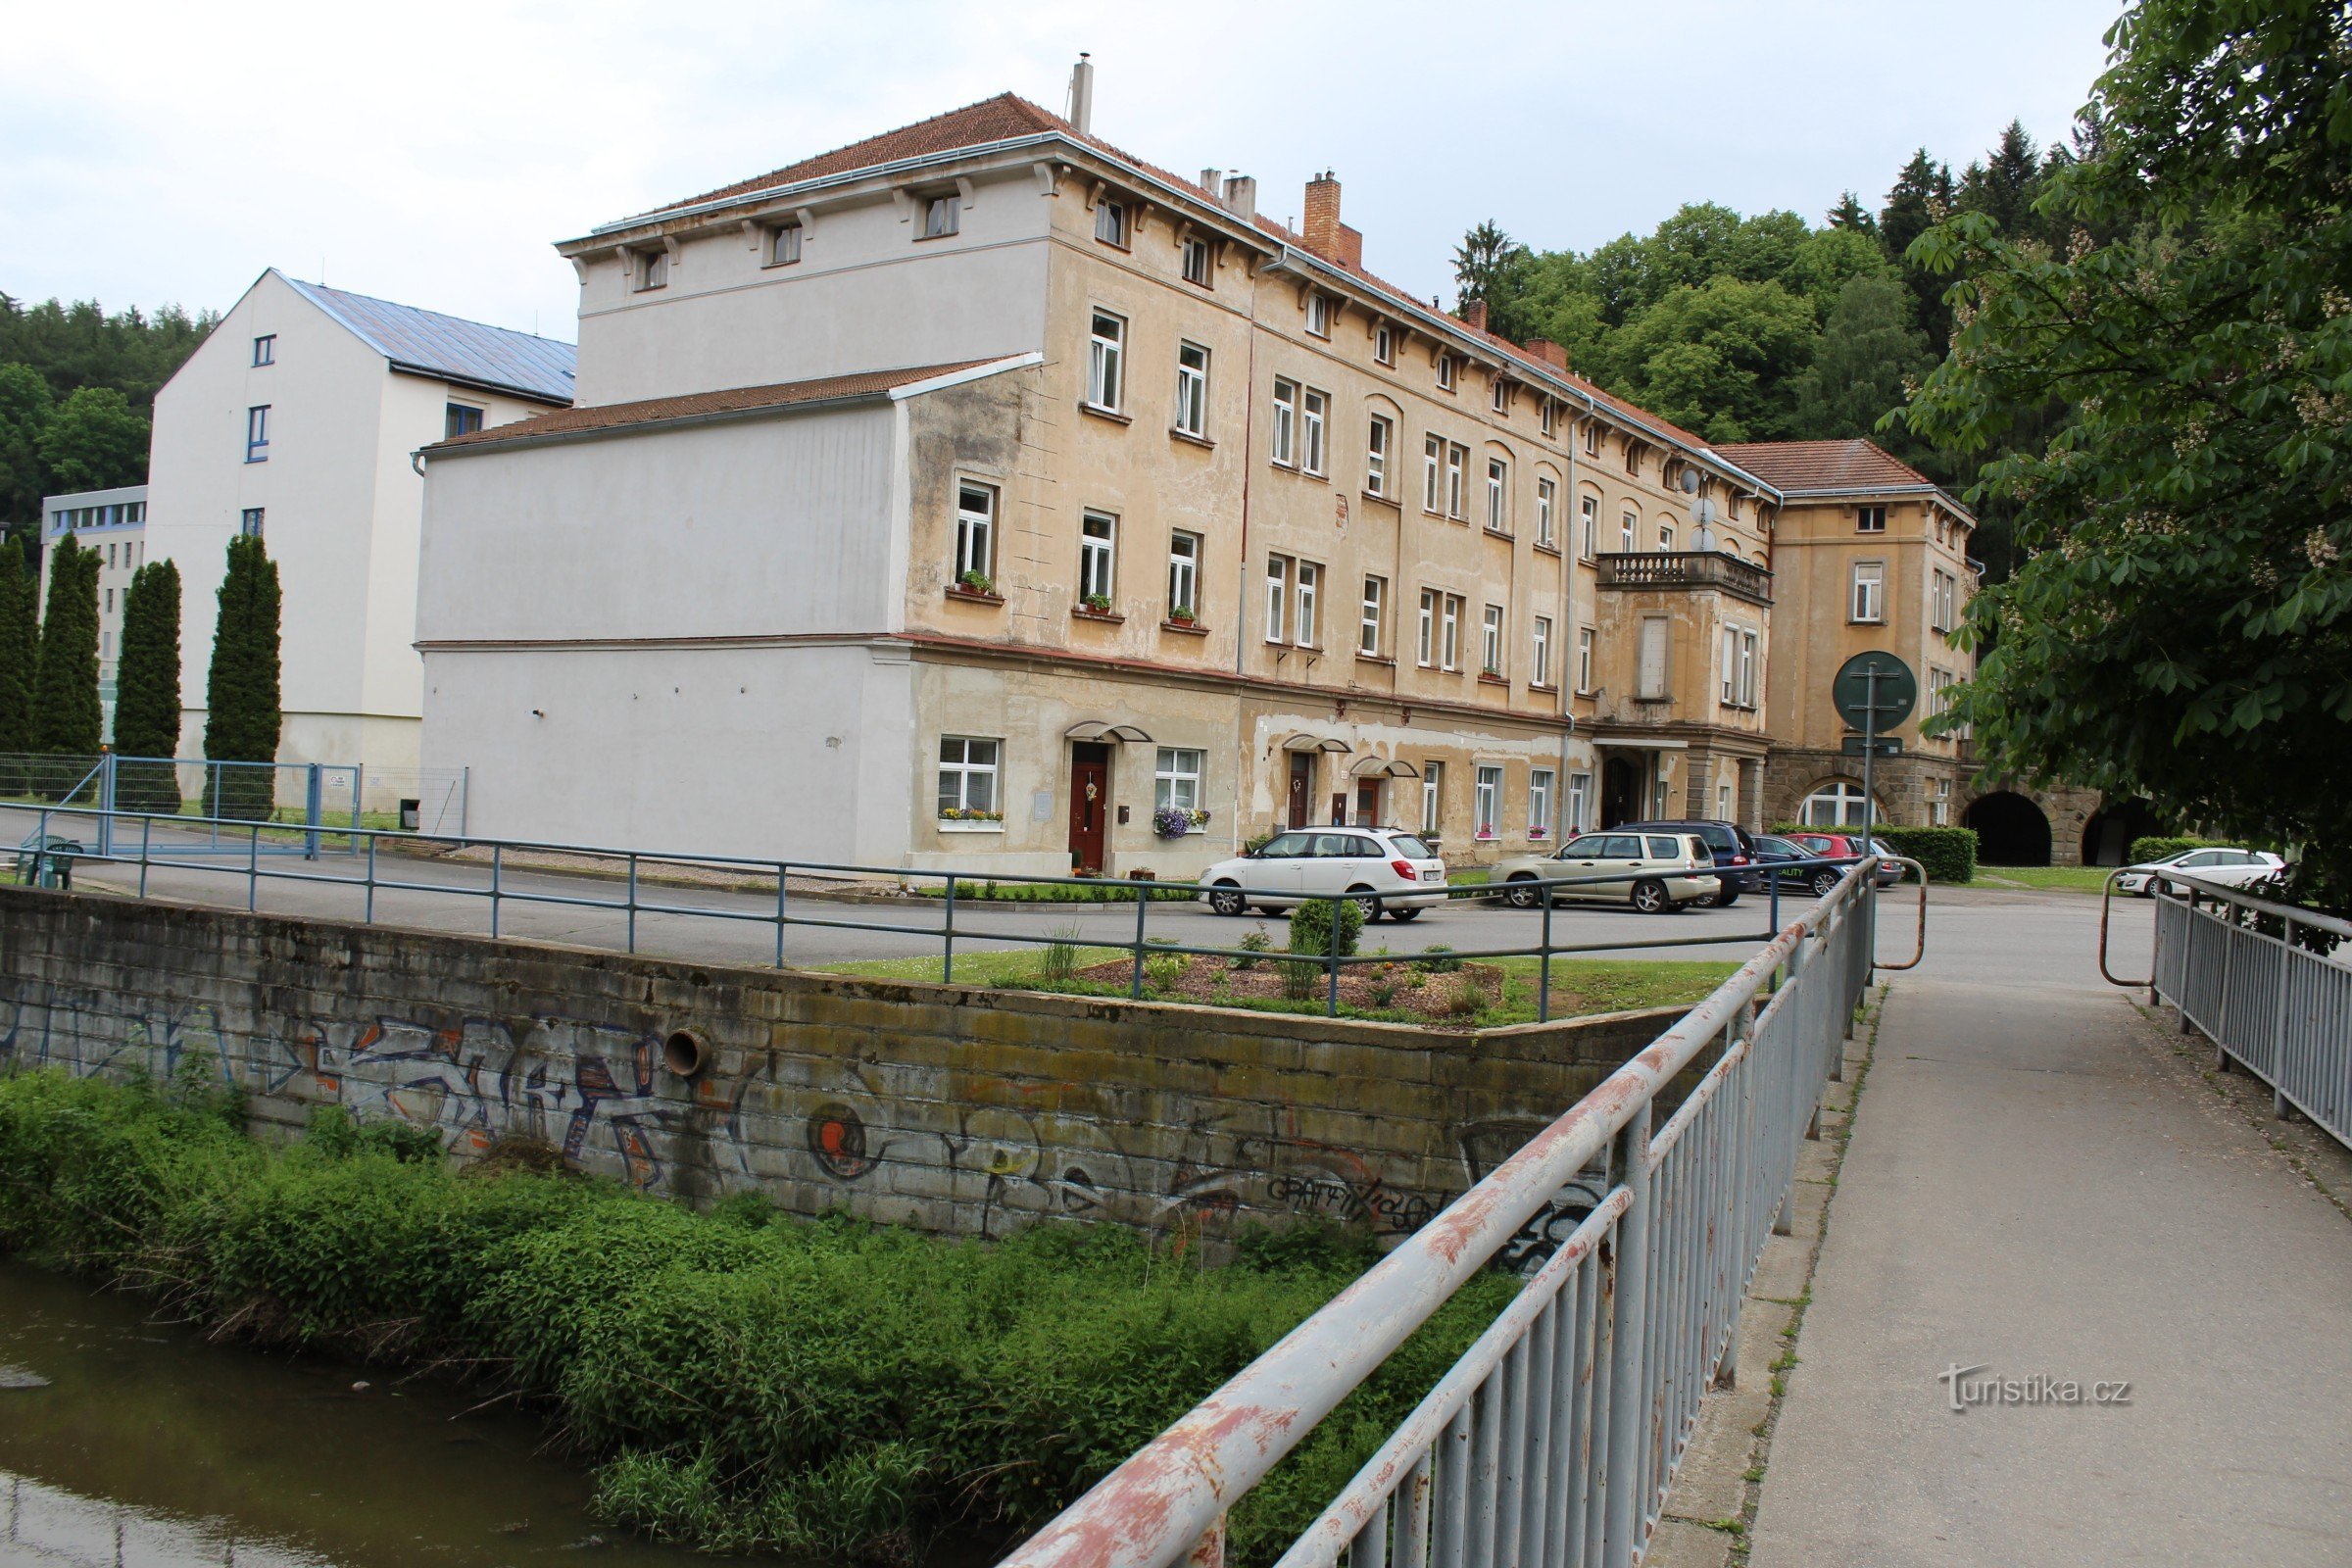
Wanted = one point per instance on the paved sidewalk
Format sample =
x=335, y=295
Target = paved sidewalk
x=2038, y=1183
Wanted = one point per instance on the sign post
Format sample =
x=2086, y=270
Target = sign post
x=1874, y=690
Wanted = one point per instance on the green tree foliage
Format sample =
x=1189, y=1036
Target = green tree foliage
x=1716, y=358
x=2182, y=624
x=242, y=720
x=147, y=710
x=1486, y=264
x=67, y=721
x=94, y=441
x=1868, y=355
x=1849, y=213
x=20, y=656
x=25, y=406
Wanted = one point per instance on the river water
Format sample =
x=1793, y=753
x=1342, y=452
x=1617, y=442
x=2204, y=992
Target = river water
x=147, y=1447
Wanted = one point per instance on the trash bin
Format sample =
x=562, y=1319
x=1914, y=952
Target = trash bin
x=410, y=812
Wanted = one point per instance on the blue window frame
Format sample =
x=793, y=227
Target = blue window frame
x=257, y=434
x=251, y=525
x=461, y=420
x=265, y=349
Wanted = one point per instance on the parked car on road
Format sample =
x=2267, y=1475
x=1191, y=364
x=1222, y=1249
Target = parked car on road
x=1848, y=846
x=2230, y=867
x=1731, y=844
x=1771, y=852
x=1390, y=872
x=1660, y=871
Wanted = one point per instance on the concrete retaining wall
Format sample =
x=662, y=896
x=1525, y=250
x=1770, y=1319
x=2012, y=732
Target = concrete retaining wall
x=959, y=1110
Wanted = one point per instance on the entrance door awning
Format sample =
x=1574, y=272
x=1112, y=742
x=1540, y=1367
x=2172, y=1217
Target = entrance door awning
x=1317, y=743
x=1100, y=729
x=1385, y=767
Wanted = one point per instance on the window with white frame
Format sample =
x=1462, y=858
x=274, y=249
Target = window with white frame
x=1588, y=510
x=967, y=776
x=1541, y=672
x=653, y=269
x=1176, y=781
x=1370, y=626
x=1184, y=575
x=1318, y=314
x=1626, y=526
x=1499, y=495
x=1432, y=796
x=1111, y=222
x=1580, y=792
x=1869, y=598
x=1584, y=658
x=1449, y=631
x=1838, y=804
x=1539, y=802
x=1549, y=419
x=1306, y=622
x=1197, y=268
x=1592, y=438
x=1489, y=640
x=1457, y=466
x=1107, y=361
x=975, y=533
x=784, y=245
x=1192, y=390
x=941, y=215
x=1501, y=396
x=1427, y=647
x=1286, y=422
x=1487, y=801
x=1433, y=464
x=1098, y=555
x=1278, y=597
x=1725, y=808
x=1314, y=410
x=1666, y=538
x=257, y=434
x=1738, y=666
x=1548, y=500
x=1944, y=604
x=1939, y=803
x=1869, y=519
x=1650, y=663
x=1379, y=441
x=1445, y=372
x=1384, y=344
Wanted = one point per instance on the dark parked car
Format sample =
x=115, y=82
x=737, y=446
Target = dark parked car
x=1730, y=843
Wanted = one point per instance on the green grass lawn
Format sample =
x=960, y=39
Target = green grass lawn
x=2062, y=878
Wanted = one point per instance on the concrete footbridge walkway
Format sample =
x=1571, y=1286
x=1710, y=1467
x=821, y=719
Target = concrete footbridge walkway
x=2079, y=1296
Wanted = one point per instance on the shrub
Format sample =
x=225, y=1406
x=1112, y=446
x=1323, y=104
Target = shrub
x=1436, y=958
x=1319, y=923
x=1165, y=971
x=1948, y=853
x=1059, y=960
x=1255, y=941
x=2157, y=846
x=1302, y=981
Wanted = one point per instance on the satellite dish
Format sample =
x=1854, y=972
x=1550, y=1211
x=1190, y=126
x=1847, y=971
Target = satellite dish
x=1689, y=481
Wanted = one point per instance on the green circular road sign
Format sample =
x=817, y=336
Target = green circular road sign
x=1894, y=691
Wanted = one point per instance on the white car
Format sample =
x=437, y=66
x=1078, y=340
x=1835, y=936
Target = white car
x=1660, y=871
x=2230, y=867
x=1390, y=872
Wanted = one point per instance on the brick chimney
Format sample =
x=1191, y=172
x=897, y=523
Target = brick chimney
x=1551, y=353
x=1323, y=231
x=1475, y=314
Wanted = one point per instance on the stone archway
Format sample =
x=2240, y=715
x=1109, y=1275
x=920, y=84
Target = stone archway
x=2011, y=829
x=2108, y=836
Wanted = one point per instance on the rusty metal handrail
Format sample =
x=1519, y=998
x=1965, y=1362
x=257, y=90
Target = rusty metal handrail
x=2106, y=905
x=1913, y=962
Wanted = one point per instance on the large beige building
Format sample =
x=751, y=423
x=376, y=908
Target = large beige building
x=980, y=493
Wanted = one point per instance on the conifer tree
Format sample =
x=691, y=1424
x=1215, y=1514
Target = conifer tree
x=147, y=691
x=242, y=718
x=67, y=721
x=19, y=652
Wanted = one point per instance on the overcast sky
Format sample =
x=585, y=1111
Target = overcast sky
x=169, y=153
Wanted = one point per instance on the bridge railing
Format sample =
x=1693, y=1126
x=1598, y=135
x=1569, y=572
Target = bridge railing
x=2238, y=969
x=1554, y=1438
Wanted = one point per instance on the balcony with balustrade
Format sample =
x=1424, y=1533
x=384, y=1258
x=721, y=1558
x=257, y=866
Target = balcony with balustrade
x=1686, y=569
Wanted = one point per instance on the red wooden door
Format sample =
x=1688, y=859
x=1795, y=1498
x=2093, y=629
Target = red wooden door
x=1089, y=798
x=1302, y=787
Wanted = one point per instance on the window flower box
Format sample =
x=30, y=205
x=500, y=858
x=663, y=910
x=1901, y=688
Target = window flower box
x=1174, y=821
x=970, y=819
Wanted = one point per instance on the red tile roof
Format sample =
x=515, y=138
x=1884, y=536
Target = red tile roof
x=1794, y=467
x=736, y=400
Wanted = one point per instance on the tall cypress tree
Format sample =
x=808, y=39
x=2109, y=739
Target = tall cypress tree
x=242, y=718
x=20, y=654
x=147, y=691
x=67, y=721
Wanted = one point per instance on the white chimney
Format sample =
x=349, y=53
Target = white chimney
x=1082, y=96
x=1241, y=196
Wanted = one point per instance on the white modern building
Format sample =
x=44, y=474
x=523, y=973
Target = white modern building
x=114, y=524
x=297, y=421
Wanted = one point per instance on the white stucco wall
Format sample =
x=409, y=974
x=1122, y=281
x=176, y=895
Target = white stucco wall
x=867, y=295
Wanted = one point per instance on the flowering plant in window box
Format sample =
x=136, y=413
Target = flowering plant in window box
x=969, y=813
x=1539, y=833
x=1491, y=671
x=1181, y=615
x=1099, y=604
x=977, y=582
x=1485, y=830
x=1174, y=821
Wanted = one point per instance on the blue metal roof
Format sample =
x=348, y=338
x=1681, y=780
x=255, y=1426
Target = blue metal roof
x=433, y=344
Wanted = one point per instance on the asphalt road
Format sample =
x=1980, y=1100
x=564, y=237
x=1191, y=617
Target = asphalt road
x=1974, y=933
